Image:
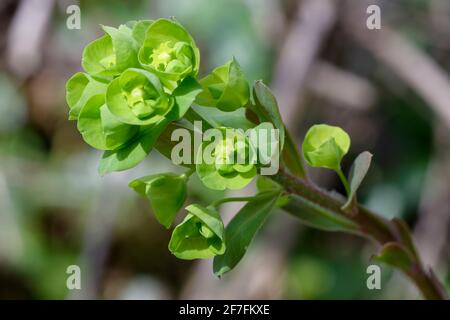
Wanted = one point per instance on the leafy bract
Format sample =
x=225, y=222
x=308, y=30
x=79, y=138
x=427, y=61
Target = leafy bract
x=79, y=89
x=170, y=52
x=133, y=152
x=266, y=108
x=241, y=230
x=100, y=128
x=111, y=54
x=325, y=146
x=396, y=255
x=357, y=173
x=166, y=192
x=201, y=235
x=140, y=29
x=225, y=88
x=184, y=95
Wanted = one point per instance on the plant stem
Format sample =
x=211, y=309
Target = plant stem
x=370, y=224
x=344, y=180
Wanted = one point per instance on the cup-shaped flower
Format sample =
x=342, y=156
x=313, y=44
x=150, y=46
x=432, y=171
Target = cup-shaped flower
x=100, y=129
x=225, y=88
x=112, y=53
x=227, y=162
x=325, y=146
x=201, y=235
x=170, y=52
x=79, y=89
x=137, y=97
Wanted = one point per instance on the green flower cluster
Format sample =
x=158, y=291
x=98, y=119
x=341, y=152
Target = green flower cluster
x=138, y=78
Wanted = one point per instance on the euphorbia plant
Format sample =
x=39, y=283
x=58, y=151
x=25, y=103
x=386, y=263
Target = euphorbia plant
x=140, y=85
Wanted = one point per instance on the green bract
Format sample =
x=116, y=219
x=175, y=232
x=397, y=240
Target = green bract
x=325, y=146
x=79, y=89
x=166, y=192
x=100, y=128
x=226, y=162
x=111, y=54
x=201, y=235
x=139, y=30
x=137, y=97
x=170, y=52
x=225, y=88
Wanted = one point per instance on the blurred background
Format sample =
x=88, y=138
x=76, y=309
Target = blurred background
x=389, y=88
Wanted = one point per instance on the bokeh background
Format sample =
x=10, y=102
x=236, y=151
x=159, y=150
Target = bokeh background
x=389, y=88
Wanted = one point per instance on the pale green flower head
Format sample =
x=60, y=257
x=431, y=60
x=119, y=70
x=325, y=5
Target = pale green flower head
x=225, y=88
x=231, y=166
x=201, y=235
x=170, y=52
x=325, y=146
x=112, y=53
x=137, y=97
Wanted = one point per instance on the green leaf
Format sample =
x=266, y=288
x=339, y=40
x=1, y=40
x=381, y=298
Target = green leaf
x=184, y=95
x=79, y=89
x=325, y=146
x=133, y=152
x=201, y=235
x=233, y=119
x=225, y=88
x=405, y=235
x=319, y=217
x=357, y=173
x=266, y=107
x=137, y=97
x=140, y=29
x=170, y=52
x=242, y=229
x=111, y=54
x=100, y=129
x=166, y=193
x=266, y=184
x=396, y=255
x=292, y=158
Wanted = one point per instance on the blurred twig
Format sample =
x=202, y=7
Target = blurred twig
x=433, y=226
x=314, y=19
x=26, y=34
x=340, y=86
x=412, y=65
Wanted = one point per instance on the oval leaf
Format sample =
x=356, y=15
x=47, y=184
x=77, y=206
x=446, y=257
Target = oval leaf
x=396, y=255
x=266, y=107
x=242, y=229
x=319, y=217
x=357, y=173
